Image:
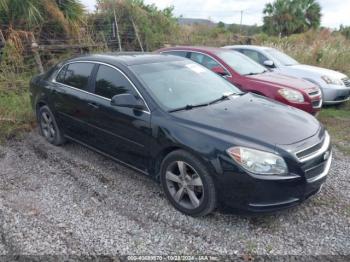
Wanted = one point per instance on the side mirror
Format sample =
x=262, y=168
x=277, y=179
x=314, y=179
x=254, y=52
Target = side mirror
x=269, y=63
x=220, y=71
x=127, y=100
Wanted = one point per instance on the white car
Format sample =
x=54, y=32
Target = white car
x=335, y=86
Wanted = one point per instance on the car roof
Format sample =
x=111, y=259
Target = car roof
x=256, y=47
x=194, y=48
x=127, y=58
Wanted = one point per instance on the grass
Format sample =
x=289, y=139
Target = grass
x=337, y=121
x=15, y=114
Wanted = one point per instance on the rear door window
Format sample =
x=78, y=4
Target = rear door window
x=76, y=75
x=206, y=61
x=111, y=82
x=197, y=57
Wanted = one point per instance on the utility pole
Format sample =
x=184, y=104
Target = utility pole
x=117, y=30
x=240, y=24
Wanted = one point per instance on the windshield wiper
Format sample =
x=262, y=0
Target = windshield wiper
x=188, y=107
x=223, y=97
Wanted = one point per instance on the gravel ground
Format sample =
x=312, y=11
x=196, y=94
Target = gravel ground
x=69, y=200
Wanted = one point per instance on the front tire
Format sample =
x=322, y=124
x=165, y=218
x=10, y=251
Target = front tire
x=188, y=184
x=48, y=126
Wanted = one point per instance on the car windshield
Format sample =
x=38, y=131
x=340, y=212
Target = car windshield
x=282, y=57
x=182, y=84
x=241, y=63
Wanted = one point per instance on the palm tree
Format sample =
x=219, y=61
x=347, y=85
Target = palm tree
x=31, y=15
x=20, y=14
x=308, y=13
x=23, y=20
x=286, y=17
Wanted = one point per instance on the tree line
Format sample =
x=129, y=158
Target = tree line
x=133, y=24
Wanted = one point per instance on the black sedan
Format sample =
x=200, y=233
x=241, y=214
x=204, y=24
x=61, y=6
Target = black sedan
x=208, y=143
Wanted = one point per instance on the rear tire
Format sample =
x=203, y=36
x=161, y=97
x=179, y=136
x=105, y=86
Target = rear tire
x=188, y=184
x=48, y=127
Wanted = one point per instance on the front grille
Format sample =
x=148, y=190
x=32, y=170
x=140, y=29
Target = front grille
x=315, y=150
x=346, y=81
x=316, y=170
x=314, y=93
x=309, y=151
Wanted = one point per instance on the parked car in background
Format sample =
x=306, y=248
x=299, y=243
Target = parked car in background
x=335, y=86
x=249, y=76
x=174, y=120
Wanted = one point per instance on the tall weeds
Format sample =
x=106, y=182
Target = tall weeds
x=321, y=48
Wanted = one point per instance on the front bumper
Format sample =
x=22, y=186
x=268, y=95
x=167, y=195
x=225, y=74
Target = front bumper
x=335, y=95
x=312, y=107
x=240, y=191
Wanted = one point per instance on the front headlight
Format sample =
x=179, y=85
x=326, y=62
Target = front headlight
x=258, y=162
x=291, y=95
x=332, y=81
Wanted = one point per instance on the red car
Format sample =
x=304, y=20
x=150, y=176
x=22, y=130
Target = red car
x=249, y=76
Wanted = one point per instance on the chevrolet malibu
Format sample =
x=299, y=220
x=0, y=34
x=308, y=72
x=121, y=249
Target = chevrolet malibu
x=249, y=76
x=335, y=86
x=209, y=144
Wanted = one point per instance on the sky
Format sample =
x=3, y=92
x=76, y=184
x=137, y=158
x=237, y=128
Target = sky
x=334, y=12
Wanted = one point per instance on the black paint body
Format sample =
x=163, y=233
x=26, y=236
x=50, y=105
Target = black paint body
x=141, y=139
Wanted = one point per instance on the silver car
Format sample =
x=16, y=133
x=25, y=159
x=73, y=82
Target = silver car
x=335, y=86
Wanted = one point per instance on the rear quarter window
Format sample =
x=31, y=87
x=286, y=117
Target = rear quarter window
x=50, y=73
x=61, y=74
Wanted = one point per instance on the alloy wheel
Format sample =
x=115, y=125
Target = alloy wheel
x=184, y=184
x=47, y=126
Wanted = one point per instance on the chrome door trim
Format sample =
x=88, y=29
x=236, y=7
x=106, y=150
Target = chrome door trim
x=101, y=63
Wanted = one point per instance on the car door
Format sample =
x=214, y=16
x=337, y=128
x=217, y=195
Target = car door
x=121, y=132
x=71, y=96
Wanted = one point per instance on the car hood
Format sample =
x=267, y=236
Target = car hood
x=318, y=71
x=252, y=118
x=280, y=80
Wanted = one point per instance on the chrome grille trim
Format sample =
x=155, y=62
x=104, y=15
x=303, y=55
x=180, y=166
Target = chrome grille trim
x=314, y=93
x=324, y=148
x=346, y=82
x=325, y=171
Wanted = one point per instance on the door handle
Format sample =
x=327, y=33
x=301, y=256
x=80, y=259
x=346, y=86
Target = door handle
x=94, y=105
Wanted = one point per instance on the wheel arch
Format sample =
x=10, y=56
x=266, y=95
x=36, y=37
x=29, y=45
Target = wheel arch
x=160, y=157
x=39, y=104
x=169, y=149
